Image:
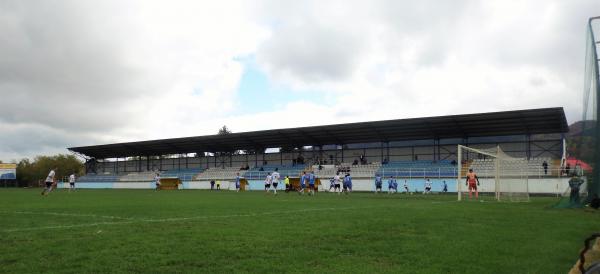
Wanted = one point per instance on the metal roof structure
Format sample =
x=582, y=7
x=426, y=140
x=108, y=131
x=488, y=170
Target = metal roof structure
x=518, y=122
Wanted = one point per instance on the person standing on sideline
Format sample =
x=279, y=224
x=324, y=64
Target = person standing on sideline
x=378, y=183
x=275, y=178
x=49, y=181
x=212, y=184
x=444, y=187
x=286, y=181
x=574, y=183
x=71, y=182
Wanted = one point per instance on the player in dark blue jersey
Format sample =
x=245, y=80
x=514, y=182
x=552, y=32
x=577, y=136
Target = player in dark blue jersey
x=311, y=183
x=302, y=183
x=347, y=183
x=378, y=183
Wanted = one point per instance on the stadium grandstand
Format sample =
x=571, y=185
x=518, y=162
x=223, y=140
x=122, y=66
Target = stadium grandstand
x=409, y=149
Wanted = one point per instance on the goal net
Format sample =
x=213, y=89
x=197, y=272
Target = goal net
x=501, y=176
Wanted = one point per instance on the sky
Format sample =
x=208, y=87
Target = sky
x=75, y=73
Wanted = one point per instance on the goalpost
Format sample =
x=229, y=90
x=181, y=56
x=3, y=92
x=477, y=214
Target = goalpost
x=500, y=175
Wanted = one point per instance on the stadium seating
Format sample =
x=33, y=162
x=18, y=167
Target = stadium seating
x=183, y=174
x=220, y=173
x=257, y=174
x=434, y=169
x=406, y=169
x=516, y=166
x=144, y=176
x=326, y=171
x=92, y=177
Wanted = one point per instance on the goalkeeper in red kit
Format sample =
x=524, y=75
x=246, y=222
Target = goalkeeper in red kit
x=472, y=183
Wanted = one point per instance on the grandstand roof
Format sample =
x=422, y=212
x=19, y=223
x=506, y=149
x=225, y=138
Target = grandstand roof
x=519, y=122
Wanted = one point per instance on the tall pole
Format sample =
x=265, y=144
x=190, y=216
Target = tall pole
x=459, y=164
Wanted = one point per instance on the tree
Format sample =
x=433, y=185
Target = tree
x=224, y=131
x=31, y=171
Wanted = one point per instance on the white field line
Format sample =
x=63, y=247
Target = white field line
x=70, y=214
x=444, y=202
x=131, y=221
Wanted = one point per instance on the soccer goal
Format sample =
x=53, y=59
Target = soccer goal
x=501, y=176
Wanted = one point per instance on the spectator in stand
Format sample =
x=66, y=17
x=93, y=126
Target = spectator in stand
x=545, y=165
x=568, y=169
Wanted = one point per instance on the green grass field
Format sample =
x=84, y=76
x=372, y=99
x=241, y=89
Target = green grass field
x=142, y=231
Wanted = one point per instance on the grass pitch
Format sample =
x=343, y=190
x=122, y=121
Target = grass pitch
x=142, y=231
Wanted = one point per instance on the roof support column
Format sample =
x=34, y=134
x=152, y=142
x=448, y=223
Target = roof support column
x=436, y=149
x=528, y=140
x=388, y=151
x=381, y=152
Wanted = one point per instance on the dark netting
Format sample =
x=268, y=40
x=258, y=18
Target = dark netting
x=583, y=145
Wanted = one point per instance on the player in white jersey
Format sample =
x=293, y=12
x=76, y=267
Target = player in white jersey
x=337, y=182
x=71, y=182
x=406, y=186
x=427, y=186
x=157, y=181
x=49, y=181
x=275, y=178
x=268, y=181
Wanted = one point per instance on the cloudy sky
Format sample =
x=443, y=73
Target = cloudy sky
x=91, y=72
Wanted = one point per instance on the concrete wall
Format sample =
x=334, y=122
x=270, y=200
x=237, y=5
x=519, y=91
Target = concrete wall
x=539, y=186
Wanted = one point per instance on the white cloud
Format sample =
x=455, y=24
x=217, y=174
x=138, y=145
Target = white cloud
x=81, y=73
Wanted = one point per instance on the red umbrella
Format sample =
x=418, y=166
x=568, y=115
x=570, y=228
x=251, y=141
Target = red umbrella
x=572, y=161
